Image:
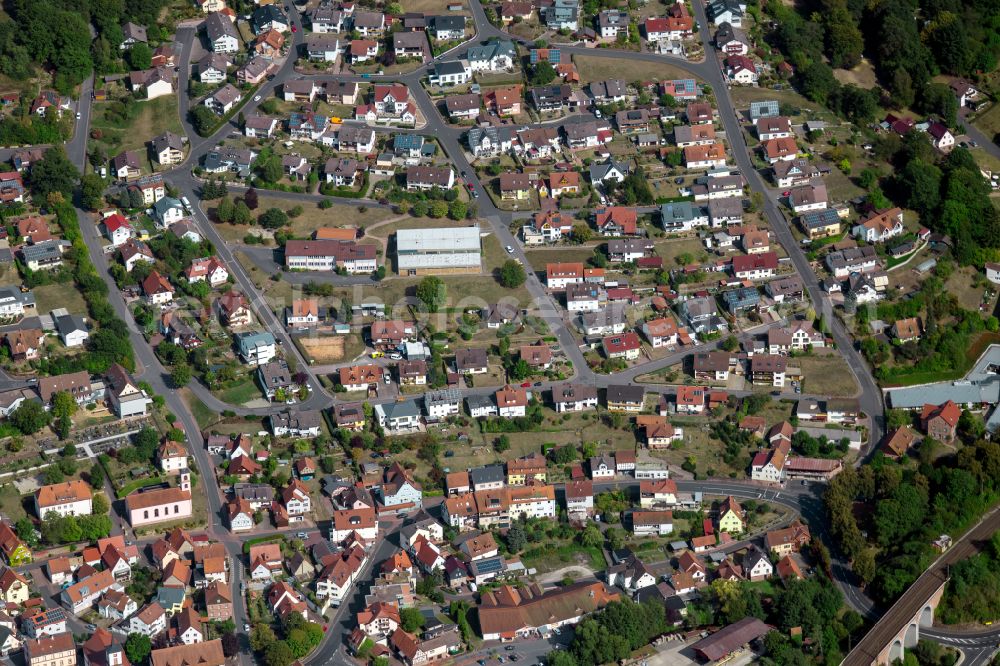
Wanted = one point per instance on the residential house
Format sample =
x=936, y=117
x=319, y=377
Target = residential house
x=511, y=401
x=256, y=348
x=880, y=227
x=731, y=517
x=450, y=73
x=221, y=32
x=808, y=197
x=940, y=421
x=626, y=346
x=625, y=398
x=652, y=523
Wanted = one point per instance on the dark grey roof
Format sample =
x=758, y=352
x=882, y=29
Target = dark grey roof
x=275, y=374
x=447, y=23
x=267, y=14
x=66, y=324
x=625, y=393
x=570, y=392
x=49, y=249
x=218, y=25
x=449, y=67
x=254, y=492
x=470, y=358
x=487, y=474
x=297, y=420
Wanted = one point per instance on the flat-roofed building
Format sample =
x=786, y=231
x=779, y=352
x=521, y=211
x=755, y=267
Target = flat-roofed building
x=439, y=250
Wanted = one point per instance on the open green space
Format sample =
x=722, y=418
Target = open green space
x=204, y=416
x=150, y=118
x=239, y=392
x=51, y=296
x=596, y=68
x=826, y=374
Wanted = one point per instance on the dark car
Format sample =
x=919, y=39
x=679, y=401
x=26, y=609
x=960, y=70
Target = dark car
x=678, y=180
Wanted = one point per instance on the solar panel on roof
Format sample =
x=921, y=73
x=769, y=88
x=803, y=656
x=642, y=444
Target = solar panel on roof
x=491, y=565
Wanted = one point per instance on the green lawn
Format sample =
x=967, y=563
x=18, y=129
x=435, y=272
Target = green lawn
x=51, y=296
x=152, y=117
x=240, y=393
x=548, y=558
x=989, y=122
x=202, y=414
x=10, y=503
x=596, y=68
x=826, y=374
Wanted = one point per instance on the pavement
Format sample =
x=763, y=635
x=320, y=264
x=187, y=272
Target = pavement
x=805, y=500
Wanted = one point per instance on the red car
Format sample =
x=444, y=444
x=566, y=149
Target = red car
x=526, y=385
x=294, y=29
x=786, y=193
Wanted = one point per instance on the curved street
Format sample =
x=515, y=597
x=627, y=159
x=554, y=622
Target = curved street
x=806, y=500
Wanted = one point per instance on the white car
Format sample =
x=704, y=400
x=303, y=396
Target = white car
x=510, y=250
x=186, y=202
x=396, y=357
x=256, y=98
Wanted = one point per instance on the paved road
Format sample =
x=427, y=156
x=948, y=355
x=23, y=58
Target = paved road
x=150, y=370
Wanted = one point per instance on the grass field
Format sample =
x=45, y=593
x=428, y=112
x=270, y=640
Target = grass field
x=51, y=296
x=742, y=96
x=862, y=76
x=989, y=122
x=155, y=116
x=962, y=284
x=706, y=451
x=565, y=254
x=841, y=187
x=240, y=393
x=202, y=414
x=596, y=68
x=976, y=350
x=672, y=248
x=10, y=503
x=551, y=557
x=313, y=216
x=462, y=290
x=826, y=374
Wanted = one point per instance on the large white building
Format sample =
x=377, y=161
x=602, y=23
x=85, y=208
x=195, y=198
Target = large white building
x=328, y=255
x=532, y=502
x=71, y=498
x=438, y=250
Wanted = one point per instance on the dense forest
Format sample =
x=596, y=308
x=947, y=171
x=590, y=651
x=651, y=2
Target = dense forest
x=57, y=34
x=903, y=510
x=949, y=332
x=814, y=605
x=908, y=42
x=973, y=593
